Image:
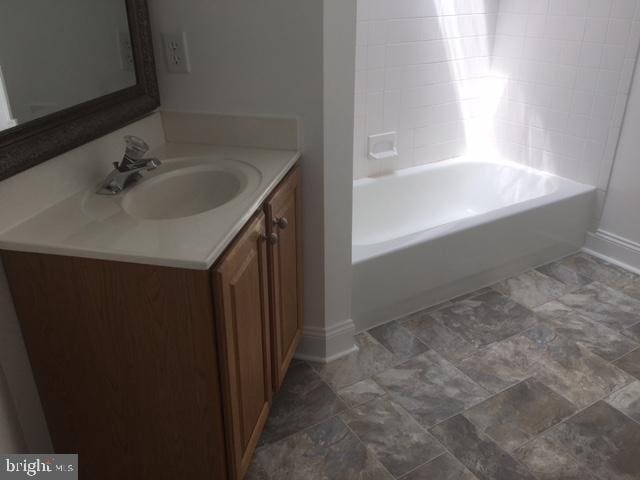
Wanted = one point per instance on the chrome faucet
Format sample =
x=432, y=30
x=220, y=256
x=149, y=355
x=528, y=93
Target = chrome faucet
x=130, y=169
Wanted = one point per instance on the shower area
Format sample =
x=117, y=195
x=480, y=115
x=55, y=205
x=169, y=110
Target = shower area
x=485, y=134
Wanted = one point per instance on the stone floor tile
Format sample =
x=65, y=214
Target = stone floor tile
x=567, y=275
x=627, y=400
x=430, y=388
x=549, y=461
x=481, y=455
x=632, y=289
x=445, y=467
x=532, y=288
x=369, y=359
x=503, y=364
x=598, y=270
x=604, y=305
x=601, y=340
x=361, y=392
x=402, y=343
x=573, y=371
x=630, y=363
x=486, y=319
x=604, y=440
x=435, y=334
x=515, y=416
x=304, y=400
x=394, y=437
x=327, y=451
x=438, y=369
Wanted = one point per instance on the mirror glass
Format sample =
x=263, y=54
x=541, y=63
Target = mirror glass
x=55, y=54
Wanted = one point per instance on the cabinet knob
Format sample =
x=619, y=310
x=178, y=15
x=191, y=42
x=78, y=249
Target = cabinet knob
x=281, y=222
x=272, y=238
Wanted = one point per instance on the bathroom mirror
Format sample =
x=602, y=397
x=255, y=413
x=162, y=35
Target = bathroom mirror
x=70, y=71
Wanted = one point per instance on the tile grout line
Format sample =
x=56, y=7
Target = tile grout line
x=461, y=412
x=541, y=434
x=357, y=437
x=623, y=413
x=486, y=347
x=389, y=397
x=308, y=427
x=350, y=408
x=566, y=420
x=571, y=289
x=624, y=355
x=427, y=432
x=508, y=453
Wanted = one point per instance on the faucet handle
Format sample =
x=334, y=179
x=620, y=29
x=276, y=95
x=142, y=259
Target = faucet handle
x=136, y=148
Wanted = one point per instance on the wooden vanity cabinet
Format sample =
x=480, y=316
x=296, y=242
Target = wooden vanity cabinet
x=284, y=223
x=165, y=373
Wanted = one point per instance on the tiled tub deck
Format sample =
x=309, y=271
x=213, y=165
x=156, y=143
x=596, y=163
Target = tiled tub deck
x=537, y=377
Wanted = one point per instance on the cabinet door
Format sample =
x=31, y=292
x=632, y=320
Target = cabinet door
x=284, y=221
x=242, y=319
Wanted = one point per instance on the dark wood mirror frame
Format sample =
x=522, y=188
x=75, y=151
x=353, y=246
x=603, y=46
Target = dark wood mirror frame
x=37, y=141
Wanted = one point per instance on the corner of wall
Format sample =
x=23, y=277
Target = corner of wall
x=324, y=345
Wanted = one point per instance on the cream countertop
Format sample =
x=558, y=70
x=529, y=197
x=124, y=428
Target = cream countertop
x=90, y=226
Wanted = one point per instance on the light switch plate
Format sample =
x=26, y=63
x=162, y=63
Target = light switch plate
x=176, y=52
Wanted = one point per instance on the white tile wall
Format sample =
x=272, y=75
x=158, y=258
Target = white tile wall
x=569, y=65
x=544, y=81
x=420, y=67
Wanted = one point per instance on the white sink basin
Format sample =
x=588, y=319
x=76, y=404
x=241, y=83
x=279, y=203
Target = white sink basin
x=180, y=189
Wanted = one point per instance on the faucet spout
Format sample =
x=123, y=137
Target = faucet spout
x=130, y=169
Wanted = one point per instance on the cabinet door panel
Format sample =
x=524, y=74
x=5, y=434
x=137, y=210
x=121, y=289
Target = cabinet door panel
x=241, y=295
x=284, y=219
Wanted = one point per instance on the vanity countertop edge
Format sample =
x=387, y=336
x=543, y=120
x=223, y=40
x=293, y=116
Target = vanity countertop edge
x=64, y=229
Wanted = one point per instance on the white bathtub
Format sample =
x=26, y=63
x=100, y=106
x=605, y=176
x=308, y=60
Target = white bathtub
x=426, y=234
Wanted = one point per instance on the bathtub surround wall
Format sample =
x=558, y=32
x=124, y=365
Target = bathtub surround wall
x=421, y=68
x=545, y=82
x=569, y=66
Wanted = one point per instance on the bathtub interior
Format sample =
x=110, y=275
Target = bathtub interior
x=420, y=198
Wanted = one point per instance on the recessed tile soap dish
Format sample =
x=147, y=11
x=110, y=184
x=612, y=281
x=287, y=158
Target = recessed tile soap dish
x=383, y=146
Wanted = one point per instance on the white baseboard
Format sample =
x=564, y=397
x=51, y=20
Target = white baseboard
x=324, y=345
x=614, y=249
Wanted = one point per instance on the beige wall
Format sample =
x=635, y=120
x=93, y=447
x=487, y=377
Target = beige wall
x=252, y=57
